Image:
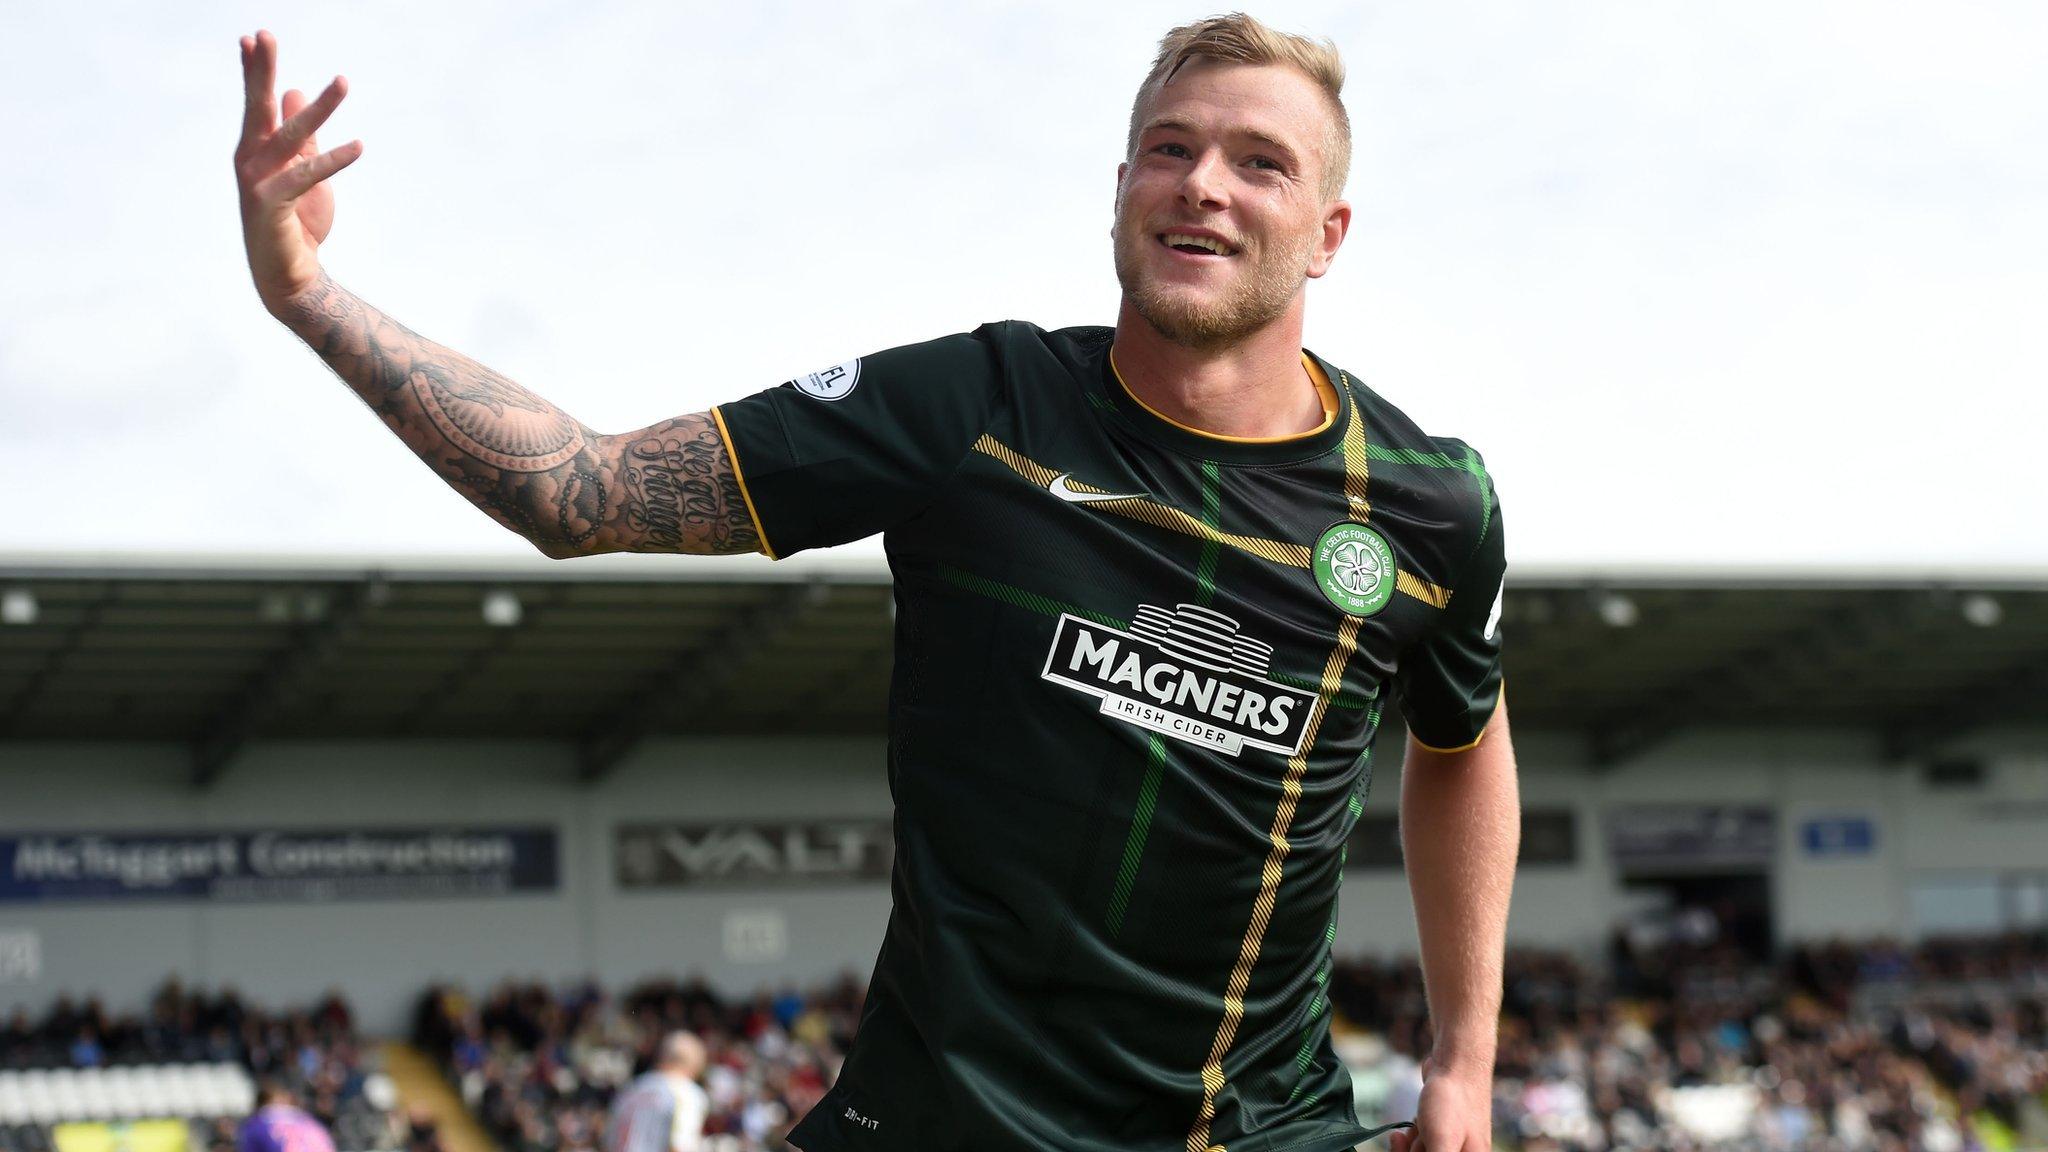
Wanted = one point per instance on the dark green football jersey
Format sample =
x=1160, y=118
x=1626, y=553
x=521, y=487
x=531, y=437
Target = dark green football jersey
x=1138, y=672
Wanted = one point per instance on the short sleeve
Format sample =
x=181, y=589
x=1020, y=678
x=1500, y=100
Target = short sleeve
x=1450, y=681
x=858, y=448
x=687, y=1132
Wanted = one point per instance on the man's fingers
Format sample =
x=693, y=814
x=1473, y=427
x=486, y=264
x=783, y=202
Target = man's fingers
x=301, y=119
x=300, y=175
x=259, y=81
x=289, y=105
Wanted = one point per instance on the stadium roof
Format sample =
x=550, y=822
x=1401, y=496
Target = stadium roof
x=217, y=651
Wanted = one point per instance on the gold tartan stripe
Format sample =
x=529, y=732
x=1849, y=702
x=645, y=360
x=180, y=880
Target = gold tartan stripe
x=1174, y=520
x=1151, y=512
x=1431, y=594
x=1357, y=468
x=1269, y=888
x=1037, y=473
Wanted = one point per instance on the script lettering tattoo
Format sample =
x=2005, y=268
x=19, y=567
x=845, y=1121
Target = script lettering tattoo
x=680, y=486
x=523, y=461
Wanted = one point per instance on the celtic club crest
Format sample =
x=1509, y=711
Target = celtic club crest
x=1354, y=566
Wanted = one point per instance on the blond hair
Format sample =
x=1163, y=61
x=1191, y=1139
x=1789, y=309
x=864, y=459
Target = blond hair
x=1239, y=39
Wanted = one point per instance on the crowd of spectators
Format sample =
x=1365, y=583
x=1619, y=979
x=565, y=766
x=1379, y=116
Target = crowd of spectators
x=539, y=1066
x=1687, y=1046
x=314, y=1051
x=1836, y=1048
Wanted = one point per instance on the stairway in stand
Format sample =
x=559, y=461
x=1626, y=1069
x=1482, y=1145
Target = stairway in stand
x=421, y=1087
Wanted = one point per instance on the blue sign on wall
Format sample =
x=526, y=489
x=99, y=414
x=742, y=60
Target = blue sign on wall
x=1839, y=836
x=279, y=864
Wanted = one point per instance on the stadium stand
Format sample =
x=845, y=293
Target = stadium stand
x=221, y=654
x=1907, y=707
x=1838, y=1048
x=192, y=1057
x=540, y=1067
x=1679, y=1048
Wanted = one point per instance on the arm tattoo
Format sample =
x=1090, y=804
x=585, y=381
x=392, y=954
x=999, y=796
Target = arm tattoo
x=680, y=485
x=525, y=462
x=493, y=420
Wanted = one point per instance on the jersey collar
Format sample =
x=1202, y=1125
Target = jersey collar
x=1338, y=409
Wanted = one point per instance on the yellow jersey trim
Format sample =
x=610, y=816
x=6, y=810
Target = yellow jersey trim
x=1500, y=697
x=732, y=454
x=1325, y=392
x=1213, y=1079
x=1434, y=595
x=1173, y=519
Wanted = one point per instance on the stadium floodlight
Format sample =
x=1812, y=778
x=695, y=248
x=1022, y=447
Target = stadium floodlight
x=1616, y=610
x=502, y=608
x=18, y=606
x=1981, y=610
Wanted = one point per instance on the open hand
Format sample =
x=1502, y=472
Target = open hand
x=287, y=208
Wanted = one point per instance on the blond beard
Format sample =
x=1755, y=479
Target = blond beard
x=1258, y=298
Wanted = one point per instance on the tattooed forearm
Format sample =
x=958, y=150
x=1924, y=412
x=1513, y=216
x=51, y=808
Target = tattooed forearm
x=680, y=486
x=523, y=461
x=494, y=420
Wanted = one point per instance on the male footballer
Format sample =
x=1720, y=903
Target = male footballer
x=1155, y=584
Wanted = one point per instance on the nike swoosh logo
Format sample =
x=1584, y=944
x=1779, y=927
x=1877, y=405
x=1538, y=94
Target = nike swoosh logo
x=1059, y=488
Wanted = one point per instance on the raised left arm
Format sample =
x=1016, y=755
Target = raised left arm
x=1461, y=826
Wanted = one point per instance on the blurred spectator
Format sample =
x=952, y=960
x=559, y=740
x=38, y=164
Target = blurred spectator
x=540, y=1067
x=1685, y=1043
x=279, y=1125
x=664, y=1109
x=1689, y=1045
x=312, y=1054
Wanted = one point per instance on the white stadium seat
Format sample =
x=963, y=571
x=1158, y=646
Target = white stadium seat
x=380, y=1091
x=122, y=1099
x=240, y=1093
x=69, y=1093
x=13, y=1103
x=147, y=1084
x=93, y=1100
x=181, y=1089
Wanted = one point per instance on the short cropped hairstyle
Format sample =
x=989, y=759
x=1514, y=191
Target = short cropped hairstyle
x=1239, y=39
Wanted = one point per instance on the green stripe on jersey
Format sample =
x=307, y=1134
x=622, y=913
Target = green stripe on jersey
x=1032, y=601
x=1212, y=515
x=1141, y=827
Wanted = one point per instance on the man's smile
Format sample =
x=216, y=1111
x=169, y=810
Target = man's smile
x=1199, y=243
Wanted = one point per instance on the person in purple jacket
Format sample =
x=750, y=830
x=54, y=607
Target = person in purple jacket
x=280, y=1125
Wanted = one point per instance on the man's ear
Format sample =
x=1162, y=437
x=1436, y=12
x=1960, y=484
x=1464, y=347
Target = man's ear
x=1336, y=224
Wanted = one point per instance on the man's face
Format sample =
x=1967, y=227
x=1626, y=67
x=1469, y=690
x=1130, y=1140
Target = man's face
x=1220, y=216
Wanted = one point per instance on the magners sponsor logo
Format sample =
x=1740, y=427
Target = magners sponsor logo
x=1187, y=674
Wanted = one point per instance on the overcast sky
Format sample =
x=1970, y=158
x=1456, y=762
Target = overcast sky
x=1708, y=283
